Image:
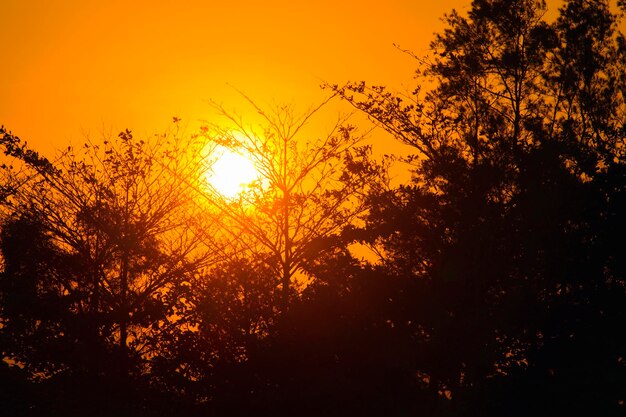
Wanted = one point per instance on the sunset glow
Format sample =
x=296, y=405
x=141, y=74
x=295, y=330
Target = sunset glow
x=281, y=208
x=73, y=69
x=231, y=173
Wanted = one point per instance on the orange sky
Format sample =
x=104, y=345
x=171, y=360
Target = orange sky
x=76, y=67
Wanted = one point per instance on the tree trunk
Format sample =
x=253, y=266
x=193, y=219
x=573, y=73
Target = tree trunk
x=286, y=278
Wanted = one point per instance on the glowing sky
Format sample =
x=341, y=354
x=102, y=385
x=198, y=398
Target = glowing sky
x=82, y=67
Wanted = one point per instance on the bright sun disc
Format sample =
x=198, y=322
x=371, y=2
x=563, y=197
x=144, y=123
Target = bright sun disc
x=231, y=173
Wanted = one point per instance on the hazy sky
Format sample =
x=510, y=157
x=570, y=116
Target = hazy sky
x=77, y=67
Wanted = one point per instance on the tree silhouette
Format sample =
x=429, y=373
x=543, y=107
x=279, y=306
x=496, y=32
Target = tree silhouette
x=308, y=192
x=97, y=246
x=309, y=187
x=499, y=226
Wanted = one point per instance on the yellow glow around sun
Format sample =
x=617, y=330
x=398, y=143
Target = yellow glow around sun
x=231, y=172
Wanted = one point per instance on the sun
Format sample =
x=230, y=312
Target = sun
x=231, y=172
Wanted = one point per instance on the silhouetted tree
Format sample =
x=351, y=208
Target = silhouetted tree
x=310, y=187
x=97, y=246
x=307, y=193
x=499, y=228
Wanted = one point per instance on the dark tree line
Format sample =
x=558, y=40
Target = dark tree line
x=498, y=289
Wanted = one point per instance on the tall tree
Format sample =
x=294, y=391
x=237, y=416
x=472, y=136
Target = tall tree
x=309, y=188
x=113, y=238
x=513, y=147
